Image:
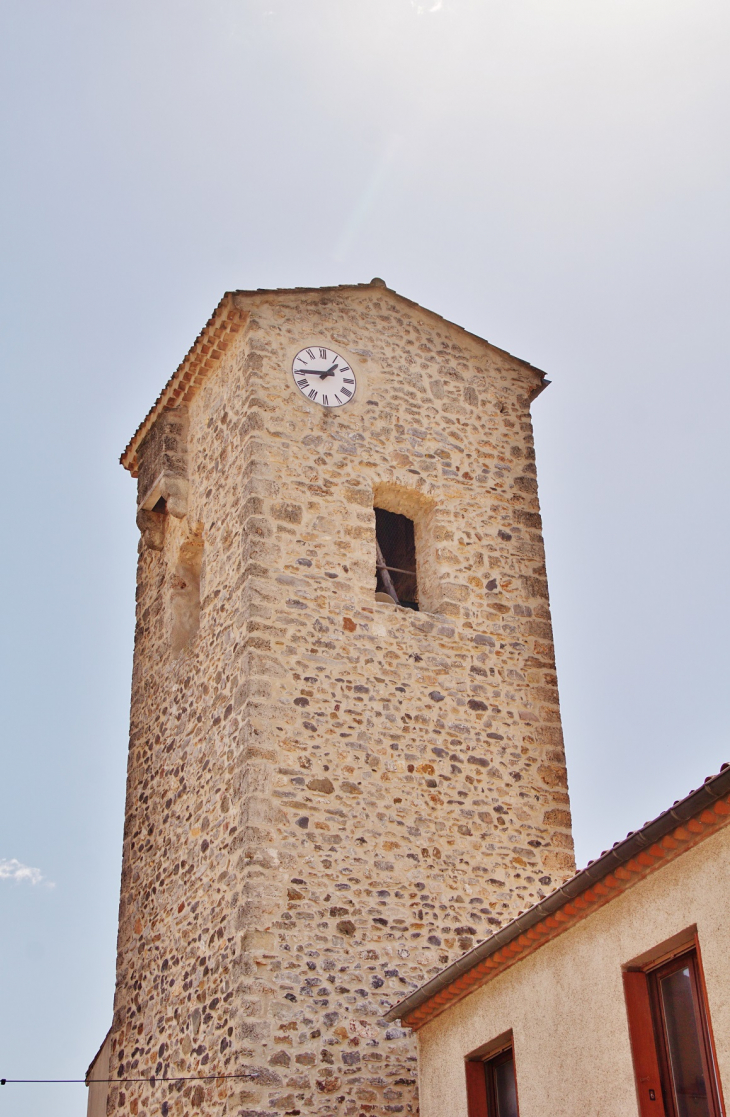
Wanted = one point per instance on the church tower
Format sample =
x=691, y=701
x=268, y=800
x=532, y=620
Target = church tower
x=345, y=762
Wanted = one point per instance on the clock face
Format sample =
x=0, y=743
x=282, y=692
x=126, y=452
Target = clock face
x=323, y=376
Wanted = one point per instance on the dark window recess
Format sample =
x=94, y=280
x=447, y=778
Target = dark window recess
x=395, y=561
x=501, y=1085
x=491, y=1086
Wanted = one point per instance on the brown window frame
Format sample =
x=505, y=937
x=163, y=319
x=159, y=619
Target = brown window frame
x=647, y=1032
x=480, y=1081
x=690, y=960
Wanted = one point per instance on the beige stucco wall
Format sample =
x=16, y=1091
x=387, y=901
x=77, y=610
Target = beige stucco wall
x=565, y=1002
x=98, y=1082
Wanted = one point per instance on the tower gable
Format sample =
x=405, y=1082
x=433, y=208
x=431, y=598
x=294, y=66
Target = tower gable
x=225, y=323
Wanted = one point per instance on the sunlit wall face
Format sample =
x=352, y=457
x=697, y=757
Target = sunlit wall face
x=551, y=175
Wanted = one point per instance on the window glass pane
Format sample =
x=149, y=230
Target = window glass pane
x=683, y=1041
x=505, y=1088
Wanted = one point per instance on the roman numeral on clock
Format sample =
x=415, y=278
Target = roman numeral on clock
x=311, y=380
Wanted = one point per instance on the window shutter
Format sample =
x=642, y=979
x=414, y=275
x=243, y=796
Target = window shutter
x=643, y=1045
x=476, y=1089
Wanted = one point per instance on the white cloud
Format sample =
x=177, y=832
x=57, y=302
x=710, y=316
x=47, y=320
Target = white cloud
x=17, y=871
x=433, y=6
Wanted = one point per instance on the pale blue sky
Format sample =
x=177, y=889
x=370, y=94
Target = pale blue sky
x=551, y=174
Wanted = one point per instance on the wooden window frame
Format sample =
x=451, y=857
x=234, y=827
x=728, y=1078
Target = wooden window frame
x=476, y=1088
x=480, y=1089
x=648, y=1036
x=690, y=960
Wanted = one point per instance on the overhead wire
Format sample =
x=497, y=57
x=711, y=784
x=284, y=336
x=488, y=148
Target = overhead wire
x=151, y=1080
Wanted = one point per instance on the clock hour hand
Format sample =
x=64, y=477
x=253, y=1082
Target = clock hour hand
x=316, y=372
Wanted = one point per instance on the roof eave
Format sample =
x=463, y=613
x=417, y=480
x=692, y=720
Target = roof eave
x=203, y=355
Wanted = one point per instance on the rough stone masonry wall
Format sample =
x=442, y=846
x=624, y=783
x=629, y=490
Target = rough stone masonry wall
x=329, y=798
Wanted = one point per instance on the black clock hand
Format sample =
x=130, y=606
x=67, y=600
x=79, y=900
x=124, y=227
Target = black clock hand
x=316, y=372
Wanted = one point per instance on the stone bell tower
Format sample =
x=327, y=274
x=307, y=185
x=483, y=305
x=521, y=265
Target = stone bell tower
x=330, y=795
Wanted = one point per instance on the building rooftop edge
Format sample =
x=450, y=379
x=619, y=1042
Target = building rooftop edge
x=228, y=319
x=635, y=844
x=92, y=1064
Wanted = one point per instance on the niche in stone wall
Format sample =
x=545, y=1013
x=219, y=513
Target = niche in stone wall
x=185, y=594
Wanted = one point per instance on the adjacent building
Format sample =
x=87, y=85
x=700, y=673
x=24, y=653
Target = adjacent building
x=610, y=997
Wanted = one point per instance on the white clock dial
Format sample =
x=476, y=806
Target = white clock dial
x=323, y=376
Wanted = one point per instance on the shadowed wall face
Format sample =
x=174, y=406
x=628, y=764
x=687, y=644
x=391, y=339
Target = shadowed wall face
x=329, y=796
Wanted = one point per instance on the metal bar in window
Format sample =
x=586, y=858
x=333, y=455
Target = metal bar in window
x=387, y=580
